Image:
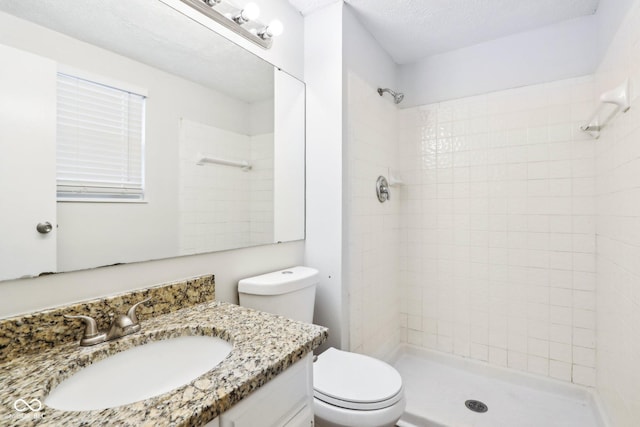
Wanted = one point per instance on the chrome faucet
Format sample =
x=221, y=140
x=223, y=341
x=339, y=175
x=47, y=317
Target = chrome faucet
x=121, y=325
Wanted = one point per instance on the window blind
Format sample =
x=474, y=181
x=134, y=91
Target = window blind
x=100, y=141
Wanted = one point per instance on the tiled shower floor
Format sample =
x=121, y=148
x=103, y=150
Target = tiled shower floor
x=436, y=392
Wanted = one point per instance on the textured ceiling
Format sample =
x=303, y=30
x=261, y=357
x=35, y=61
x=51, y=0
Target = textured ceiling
x=308, y=6
x=410, y=30
x=154, y=34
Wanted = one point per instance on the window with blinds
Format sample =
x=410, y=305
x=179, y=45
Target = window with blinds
x=100, y=141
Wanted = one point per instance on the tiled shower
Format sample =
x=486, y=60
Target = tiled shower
x=373, y=239
x=498, y=229
x=514, y=238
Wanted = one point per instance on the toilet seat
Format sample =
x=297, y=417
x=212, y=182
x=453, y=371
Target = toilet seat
x=355, y=381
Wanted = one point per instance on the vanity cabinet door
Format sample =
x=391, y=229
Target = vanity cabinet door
x=285, y=401
x=304, y=418
x=27, y=164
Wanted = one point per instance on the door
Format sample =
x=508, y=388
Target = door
x=27, y=163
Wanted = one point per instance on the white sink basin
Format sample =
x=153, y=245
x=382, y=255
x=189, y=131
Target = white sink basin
x=139, y=373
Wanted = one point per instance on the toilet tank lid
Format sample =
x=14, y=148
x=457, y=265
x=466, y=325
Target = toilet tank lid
x=279, y=282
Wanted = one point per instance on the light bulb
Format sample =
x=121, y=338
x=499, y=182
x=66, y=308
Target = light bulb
x=275, y=28
x=250, y=12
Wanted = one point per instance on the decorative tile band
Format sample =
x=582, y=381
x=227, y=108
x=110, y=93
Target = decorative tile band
x=31, y=333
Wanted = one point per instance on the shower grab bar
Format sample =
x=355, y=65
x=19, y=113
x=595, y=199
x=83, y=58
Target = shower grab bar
x=618, y=97
x=243, y=164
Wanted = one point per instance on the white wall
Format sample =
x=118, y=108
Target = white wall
x=288, y=159
x=32, y=294
x=567, y=49
x=23, y=296
x=560, y=51
x=610, y=15
x=323, y=247
x=261, y=117
x=371, y=238
x=364, y=56
x=618, y=232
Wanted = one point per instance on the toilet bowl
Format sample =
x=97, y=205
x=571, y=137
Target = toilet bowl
x=350, y=389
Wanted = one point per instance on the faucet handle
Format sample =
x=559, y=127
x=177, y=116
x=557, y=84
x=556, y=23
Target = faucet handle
x=132, y=311
x=91, y=334
x=91, y=327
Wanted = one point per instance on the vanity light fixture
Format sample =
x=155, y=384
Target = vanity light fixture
x=242, y=21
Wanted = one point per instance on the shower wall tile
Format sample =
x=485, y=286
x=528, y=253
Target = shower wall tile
x=618, y=239
x=261, y=208
x=219, y=219
x=372, y=243
x=498, y=229
x=223, y=207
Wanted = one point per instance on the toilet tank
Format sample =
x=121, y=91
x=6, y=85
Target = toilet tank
x=290, y=293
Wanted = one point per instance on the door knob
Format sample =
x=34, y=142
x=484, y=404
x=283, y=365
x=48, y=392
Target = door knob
x=44, y=227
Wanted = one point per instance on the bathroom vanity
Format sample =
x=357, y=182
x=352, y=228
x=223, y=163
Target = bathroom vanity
x=286, y=400
x=265, y=380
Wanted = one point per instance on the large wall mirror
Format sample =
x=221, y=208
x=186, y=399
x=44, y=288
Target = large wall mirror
x=214, y=143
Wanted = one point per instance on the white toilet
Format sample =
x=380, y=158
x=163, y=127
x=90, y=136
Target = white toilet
x=350, y=390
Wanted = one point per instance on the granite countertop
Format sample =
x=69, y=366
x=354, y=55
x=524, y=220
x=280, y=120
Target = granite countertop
x=263, y=346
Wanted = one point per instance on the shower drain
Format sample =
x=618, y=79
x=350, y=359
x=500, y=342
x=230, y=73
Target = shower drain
x=476, y=406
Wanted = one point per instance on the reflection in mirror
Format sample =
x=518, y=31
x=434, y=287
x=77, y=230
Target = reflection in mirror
x=206, y=98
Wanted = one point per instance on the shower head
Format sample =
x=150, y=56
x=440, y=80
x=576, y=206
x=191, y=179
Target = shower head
x=397, y=96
